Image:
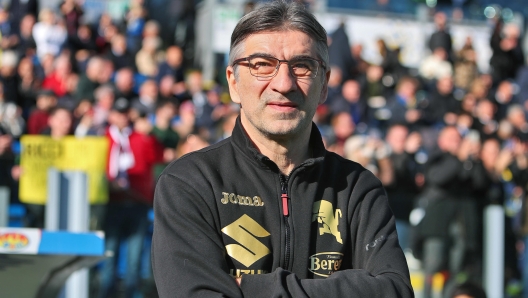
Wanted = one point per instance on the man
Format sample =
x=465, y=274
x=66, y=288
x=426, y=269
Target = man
x=448, y=228
x=130, y=173
x=269, y=212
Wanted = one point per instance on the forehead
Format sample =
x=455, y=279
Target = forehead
x=281, y=44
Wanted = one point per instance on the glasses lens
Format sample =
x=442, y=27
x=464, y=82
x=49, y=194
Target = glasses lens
x=304, y=68
x=263, y=66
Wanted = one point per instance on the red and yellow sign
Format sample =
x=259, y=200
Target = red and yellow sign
x=13, y=241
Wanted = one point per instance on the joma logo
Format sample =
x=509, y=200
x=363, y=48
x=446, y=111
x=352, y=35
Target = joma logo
x=323, y=212
x=241, y=200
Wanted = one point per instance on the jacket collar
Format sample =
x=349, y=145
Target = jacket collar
x=241, y=140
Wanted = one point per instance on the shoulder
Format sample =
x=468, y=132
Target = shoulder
x=201, y=161
x=342, y=167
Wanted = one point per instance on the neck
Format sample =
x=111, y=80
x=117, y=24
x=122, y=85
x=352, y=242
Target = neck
x=286, y=152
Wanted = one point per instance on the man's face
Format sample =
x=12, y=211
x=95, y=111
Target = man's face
x=281, y=106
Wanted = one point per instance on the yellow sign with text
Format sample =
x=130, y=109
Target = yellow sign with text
x=39, y=153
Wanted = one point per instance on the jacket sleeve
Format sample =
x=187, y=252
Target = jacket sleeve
x=380, y=268
x=188, y=258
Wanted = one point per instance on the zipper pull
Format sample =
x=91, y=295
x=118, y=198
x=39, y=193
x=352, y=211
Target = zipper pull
x=285, y=209
x=284, y=196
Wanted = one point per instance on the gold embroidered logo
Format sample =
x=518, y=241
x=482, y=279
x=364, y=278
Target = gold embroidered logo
x=325, y=263
x=241, y=200
x=240, y=272
x=245, y=231
x=323, y=212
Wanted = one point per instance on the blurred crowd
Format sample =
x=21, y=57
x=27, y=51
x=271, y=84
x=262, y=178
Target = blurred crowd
x=446, y=140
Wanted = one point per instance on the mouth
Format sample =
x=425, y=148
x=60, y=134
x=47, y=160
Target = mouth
x=283, y=106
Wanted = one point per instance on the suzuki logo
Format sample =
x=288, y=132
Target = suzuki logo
x=245, y=231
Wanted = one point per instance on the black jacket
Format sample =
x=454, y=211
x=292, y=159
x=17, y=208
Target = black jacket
x=220, y=212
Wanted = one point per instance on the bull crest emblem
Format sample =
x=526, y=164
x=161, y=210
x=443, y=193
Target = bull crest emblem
x=323, y=212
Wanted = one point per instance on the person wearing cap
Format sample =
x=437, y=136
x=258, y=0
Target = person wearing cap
x=131, y=159
x=269, y=212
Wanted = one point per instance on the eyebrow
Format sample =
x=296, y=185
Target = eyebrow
x=266, y=55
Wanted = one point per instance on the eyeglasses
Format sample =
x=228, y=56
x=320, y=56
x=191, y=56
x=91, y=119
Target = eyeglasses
x=266, y=67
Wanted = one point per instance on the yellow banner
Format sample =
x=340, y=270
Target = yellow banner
x=39, y=153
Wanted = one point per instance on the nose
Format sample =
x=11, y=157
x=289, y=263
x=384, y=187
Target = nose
x=284, y=81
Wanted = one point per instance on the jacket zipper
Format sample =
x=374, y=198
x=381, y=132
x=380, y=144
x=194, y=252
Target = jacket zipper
x=286, y=214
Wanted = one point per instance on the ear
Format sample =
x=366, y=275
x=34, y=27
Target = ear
x=233, y=84
x=324, y=90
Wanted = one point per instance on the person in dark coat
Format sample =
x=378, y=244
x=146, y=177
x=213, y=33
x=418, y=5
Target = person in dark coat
x=441, y=38
x=448, y=226
x=340, y=53
x=404, y=188
x=507, y=55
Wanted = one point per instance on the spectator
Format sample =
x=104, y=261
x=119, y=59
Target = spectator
x=517, y=117
x=135, y=23
x=59, y=123
x=72, y=13
x=213, y=112
x=352, y=102
x=7, y=162
x=361, y=64
x=95, y=120
x=172, y=65
x=38, y=119
x=49, y=35
x=132, y=155
x=166, y=89
x=145, y=104
x=484, y=120
x=442, y=106
x=105, y=24
x=436, y=65
x=91, y=79
x=147, y=57
x=334, y=84
x=342, y=127
x=441, y=38
x=392, y=67
x=119, y=54
x=339, y=52
x=58, y=78
x=11, y=121
x=162, y=129
x=507, y=55
x=9, y=38
x=18, y=9
x=370, y=151
x=28, y=85
x=448, y=227
x=465, y=66
x=404, y=106
x=165, y=134
x=82, y=43
x=194, y=83
x=405, y=184
x=124, y=84
x=152, y=31
x=503, y=97
x=8, y=76
x=26, y=43
x=468, y=290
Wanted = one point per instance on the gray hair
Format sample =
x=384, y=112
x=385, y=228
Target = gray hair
x=279, y=16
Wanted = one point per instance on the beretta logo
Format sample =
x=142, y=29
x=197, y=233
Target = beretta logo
x=13, y=241
x=325, y=263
